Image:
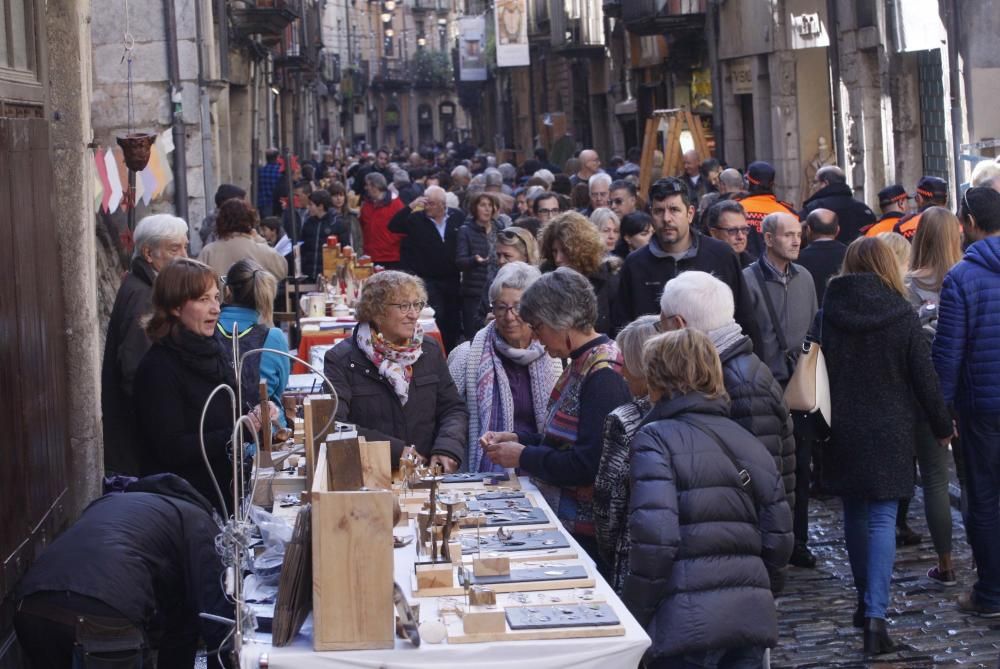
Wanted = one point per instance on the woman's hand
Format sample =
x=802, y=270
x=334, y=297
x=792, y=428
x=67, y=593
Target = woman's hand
x=946, y=441
x=505, y=454
x=448, y=465
x=491, y=438
x=481, y=260
x=255, y=415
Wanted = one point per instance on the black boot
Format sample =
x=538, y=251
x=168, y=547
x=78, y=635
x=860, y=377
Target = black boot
x=859, y=613
x=876, y=638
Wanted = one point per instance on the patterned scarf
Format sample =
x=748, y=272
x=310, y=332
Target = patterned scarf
x=487, y=381
x=395, y=363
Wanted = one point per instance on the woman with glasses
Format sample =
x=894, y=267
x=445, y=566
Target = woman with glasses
x=570, y=240
x=503, y=373
x=392, y=382
x=562, y=458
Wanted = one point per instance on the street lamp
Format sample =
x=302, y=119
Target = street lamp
x=421, y=41
x=389, y=32
x=386, y=17
x=390, y=5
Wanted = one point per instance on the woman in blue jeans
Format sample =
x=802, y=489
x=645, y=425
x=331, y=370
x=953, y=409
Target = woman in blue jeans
x=882, y=384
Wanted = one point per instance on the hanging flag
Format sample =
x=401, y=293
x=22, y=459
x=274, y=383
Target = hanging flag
x=472, y=48
x=148, y=181
x=512, y=33
x=99, y=177
x=114, y=181
x=163, y=145
x=102, y=173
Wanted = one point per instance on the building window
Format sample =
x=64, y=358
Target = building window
x=20, y=75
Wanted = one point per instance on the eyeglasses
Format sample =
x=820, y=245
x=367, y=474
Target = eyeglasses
x=500, y=309
x=734, y=232
x=547, y=212
x=408, y=307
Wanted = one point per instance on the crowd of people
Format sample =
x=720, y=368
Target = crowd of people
x=630, y=355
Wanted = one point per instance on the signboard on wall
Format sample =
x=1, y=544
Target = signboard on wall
x=741, y=74
x=512, y=33
x=472, y=48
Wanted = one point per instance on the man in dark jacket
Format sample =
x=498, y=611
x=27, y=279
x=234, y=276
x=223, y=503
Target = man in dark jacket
x=429, y=251
x=158, y=240
x=142, y=562
x=708, y=522
x=674, y=248
x=824, y=254
x=965, y=356
x=379, y=166
x=838, y=197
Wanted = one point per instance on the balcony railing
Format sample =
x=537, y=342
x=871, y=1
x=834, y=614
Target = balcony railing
x=577, y=26
x=418, y=6
x=391, y=74
x=652, y=17
x=538, y=19
x=267, y=18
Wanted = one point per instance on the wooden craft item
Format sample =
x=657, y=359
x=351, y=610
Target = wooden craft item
x=454, y=551
x=353, y=566
x=344, y=458
x=317, y=413
x=376, y=464
x=264, y=457
x=594, y=614
x=434, y=575
x=532, y=574
x=480, y=596
x=483, y=620
x=295, y=587
x=491, y=566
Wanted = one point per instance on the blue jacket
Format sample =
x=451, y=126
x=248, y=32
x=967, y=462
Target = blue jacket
x=968, y=331
x=273, y=368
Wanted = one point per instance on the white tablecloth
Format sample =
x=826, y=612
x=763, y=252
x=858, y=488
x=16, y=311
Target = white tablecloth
x=621, y=652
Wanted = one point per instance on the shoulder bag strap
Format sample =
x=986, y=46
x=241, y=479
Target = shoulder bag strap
x=744, y=474
x=779, y=333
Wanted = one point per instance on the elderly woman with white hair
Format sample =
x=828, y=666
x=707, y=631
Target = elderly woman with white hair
x=158, y=240
x=503, y=373
x=611, y=487
x=563, y=457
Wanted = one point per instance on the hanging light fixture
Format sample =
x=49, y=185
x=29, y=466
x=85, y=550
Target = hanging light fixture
x=421, y=41
x=389, y=32
x=390, y=5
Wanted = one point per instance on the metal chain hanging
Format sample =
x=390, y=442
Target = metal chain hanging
x=128, y=44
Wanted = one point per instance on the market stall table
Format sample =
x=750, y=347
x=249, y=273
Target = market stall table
x=624, y=651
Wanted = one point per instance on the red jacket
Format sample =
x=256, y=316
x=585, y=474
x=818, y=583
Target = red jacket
x=380, y=244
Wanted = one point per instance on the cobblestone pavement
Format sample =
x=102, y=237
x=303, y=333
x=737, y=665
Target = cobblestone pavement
x=814, y=612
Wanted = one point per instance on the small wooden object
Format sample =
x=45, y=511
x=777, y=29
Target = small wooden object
x=491, y=566
x=480, y=596
x=376, y=464
x=352, y=566
x=264, y=457
x=455, y=551
x=344, y=458
x=484, y=620
x=435, y=575
x=317, y=412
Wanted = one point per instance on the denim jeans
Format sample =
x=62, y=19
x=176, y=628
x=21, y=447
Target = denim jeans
x=933, y=460
x=981, y=451
x=746, y=657
x=870, y=534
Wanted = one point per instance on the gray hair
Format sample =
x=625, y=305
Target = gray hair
x=515, y=275
x=508, y=171
x=493, y=177
x=437, y=192
x=401, y=178
x=985, y=173
x=377, y=180
x=704, y=302
x=772, y=221
x=561, y=300
x=831, y=174
x=599, y=178
x=461, y=172
x=545, y=174
x=153, y=230
x=602, y=215
x=732, y=179
x=631, y=340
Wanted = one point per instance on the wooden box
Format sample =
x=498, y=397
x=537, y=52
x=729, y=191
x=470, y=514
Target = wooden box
x=352, y=566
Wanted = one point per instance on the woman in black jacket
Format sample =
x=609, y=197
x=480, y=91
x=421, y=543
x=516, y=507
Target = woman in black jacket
x=882, y=384
x=707, y=517
x=176, y=376
x=393, y=382
x=476, y=256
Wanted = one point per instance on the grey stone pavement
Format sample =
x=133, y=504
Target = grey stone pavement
x=814, y=612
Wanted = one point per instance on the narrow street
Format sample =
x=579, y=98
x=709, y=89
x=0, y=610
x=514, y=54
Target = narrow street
x=815, y=611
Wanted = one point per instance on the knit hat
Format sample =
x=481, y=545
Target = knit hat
x=761, y=174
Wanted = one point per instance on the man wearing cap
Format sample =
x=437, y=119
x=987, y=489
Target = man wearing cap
x=931, y=192
x=965, y=346
x=675, y=247
x=760, y=201
x=892, y=200
x=834, y=194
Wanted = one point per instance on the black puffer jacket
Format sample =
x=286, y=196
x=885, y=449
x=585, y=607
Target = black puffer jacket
x=314, y=234
x=702, y=545
x=758, y=405
x=434, y=418
x=852, y=214
x=474, y=241
x=870, y=333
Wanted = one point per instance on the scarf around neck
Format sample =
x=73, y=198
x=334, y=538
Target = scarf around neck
x=725, y=337
x=395, y=363
x=201, y=354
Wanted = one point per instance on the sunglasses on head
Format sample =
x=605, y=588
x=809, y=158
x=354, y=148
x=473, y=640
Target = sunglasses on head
x=666, y=187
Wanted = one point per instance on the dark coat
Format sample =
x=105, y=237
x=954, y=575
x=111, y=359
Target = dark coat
x=823, y=259
x=146, y=552
x=434, y=419
x=758, y=405
x=605, y=284
x=314, y=233
x=422, y=251
x=702, y=546
x=474, y=241
x=644, y=274
x=882, y=384
x=169, y=400
x=968, y=331
x=124, y=348
x=853, y=215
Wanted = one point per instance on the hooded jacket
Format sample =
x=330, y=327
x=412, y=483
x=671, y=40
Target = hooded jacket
x=882, y=384
x=968, y=330
x=313, y=238
x=702, y=544
x=852, y=215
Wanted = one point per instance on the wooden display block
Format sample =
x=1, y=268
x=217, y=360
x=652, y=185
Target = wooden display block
x=491, y=566
x=317, y=411
x=484, y=620
x=455, y=551
x=376, y=464
x=435, y=575
x=352, y=566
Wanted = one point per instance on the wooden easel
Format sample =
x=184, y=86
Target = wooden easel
x=676, y=120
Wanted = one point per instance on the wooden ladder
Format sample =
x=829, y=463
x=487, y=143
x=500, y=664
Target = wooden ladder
x=676, y=120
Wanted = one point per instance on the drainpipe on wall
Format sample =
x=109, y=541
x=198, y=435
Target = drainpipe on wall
x=177, y=114
x=718, y=126
x=207, y=173
x=833, y=55
x=955, y=83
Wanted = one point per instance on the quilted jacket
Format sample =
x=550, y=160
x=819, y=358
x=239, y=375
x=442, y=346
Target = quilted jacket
x=702, y=544
x=968, y=330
